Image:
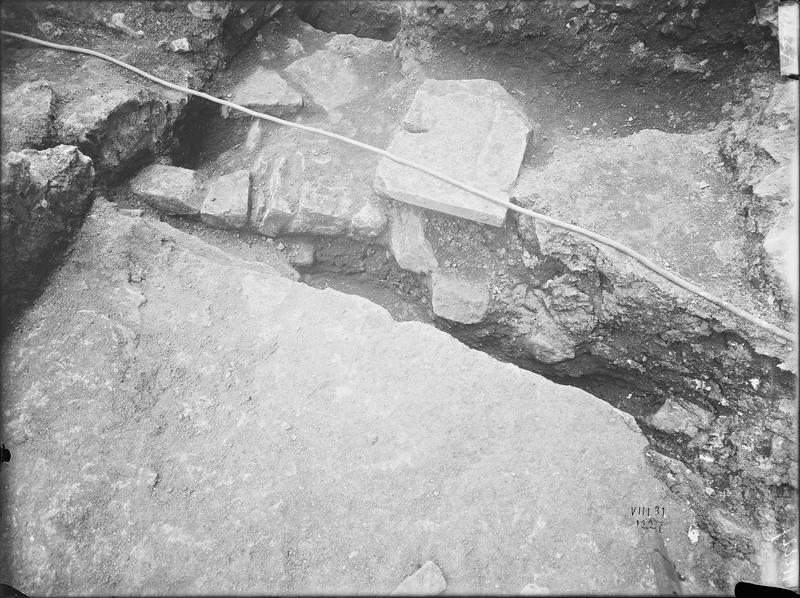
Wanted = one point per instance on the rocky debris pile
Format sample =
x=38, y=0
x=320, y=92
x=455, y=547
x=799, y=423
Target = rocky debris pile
x=760, y=144
x=179, y=460
x=471, y=130
x=120, y=126
x=331, y=77
x=264, y=91
x=44, y=197
x=609, y=37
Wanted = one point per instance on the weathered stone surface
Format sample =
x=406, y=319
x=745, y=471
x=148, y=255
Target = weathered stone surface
x=428, y=580
x=760, y=145
x=331, y=76
x=407, y=240
x=666, y=195
x=264, y=91
x=168, y=189
x=459, y=299
x=471, y=130
x=167, y=434
x=303, y=186
x=27, y=116
x=43, y=198
x=227, y=201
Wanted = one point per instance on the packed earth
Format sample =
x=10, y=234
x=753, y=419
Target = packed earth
x=240, y=357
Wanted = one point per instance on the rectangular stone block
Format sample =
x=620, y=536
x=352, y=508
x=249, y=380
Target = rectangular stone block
x=168, y=189
x=471, y=130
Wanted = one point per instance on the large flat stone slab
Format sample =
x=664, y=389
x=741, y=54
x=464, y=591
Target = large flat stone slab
x=207, y=427
x=472, y=130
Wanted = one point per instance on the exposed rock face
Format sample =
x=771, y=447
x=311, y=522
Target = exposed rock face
x=471, y=130
x=179, y=460
x=44, y=197
x=27, y=116
x=330, y=76
x=169, y=189
x=459, y=299
x=264, y=91
x=760, y=145
x=227, y=201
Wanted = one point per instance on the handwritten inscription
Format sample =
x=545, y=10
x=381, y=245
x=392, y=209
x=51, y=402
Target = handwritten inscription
x=649, y=518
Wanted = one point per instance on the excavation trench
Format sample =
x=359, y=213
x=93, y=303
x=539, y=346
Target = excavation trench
x=716, y=407
x=717, y=414
x=715, y=399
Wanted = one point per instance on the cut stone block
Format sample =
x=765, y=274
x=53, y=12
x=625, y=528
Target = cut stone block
x=323, y=210
x=169, y=189
x=408, y=243
x=300, y=186
x=471, y=130
x=425, y=581
x=459, y=299
x=227, y=201
x=264, y=91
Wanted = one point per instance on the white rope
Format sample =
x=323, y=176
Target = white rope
x=646, y=262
